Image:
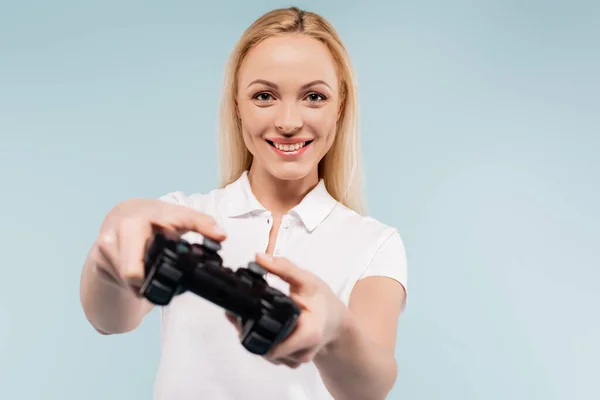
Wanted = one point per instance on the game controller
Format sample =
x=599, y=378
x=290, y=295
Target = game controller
x=174, y=266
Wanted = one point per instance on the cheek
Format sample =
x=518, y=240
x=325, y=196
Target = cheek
x=323, y=123
x=255, y=120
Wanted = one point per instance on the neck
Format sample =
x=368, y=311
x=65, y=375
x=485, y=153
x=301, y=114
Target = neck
x=279, y=195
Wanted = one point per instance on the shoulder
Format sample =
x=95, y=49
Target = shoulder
x=199, y=201
x=381, y=244
x=368, y=228
x=376, y=248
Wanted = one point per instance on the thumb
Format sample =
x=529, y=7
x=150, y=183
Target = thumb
x=283, y=268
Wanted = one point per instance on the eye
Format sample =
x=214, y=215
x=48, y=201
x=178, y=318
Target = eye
x=263, y=96
x=314, y=97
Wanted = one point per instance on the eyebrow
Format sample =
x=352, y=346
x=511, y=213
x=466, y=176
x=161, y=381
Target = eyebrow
x=275, y=86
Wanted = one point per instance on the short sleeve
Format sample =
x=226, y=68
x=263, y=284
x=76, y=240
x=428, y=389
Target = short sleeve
x=177, y=198
x=390, y=261
x=195, y=201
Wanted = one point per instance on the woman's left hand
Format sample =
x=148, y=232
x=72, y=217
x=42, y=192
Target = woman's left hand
x=319, y=323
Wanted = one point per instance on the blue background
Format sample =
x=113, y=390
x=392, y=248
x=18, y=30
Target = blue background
x=481, y=132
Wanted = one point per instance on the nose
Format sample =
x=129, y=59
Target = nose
x=289, y=119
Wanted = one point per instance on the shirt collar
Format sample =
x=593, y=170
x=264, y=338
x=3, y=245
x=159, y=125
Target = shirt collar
x=312, y=210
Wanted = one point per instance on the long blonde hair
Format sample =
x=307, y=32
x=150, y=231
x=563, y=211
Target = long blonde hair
x=341, y=167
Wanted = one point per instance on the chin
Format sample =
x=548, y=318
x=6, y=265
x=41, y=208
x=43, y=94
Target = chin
x=288, y=171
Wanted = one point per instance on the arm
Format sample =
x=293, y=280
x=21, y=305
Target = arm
x=360, y=363
x=351, y=346
x=107, y=304
x=114, y=265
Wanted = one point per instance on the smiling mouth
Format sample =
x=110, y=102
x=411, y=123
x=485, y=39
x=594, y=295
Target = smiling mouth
x=289, y=147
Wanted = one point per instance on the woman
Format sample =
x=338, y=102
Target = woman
x=291, y=201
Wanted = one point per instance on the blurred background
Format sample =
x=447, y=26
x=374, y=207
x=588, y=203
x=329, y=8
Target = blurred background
x=481, y=132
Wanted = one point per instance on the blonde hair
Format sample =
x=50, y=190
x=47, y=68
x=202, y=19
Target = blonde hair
x=341, y=167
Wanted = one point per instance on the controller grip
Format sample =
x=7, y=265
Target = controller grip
x=260, y=335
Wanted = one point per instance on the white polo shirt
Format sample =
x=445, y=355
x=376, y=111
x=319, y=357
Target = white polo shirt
x=202, y=357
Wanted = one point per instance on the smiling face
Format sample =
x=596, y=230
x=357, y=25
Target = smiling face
x=288, y=103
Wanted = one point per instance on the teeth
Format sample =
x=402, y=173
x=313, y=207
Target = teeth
x=289, y=147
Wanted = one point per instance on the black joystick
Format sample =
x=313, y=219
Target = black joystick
x=174, y=266
x=257, y=269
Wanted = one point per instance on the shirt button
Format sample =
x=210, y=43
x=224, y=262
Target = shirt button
x=286, y=224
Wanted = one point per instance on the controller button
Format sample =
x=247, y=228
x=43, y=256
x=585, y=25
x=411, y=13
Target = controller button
x=212, y=263
x=158, y=293
x=211, y=244
x=246, y=280
x=257, y=344
x=269, y=324
x=256, y=268
x=274, y=294
x=169, y=272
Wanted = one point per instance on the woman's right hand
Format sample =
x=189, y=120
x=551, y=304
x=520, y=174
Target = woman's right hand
x=127, y=229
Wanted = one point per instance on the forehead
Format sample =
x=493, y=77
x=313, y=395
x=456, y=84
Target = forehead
x=289, y=59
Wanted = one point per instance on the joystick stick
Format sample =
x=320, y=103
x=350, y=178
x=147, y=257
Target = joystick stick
x=174, y=266
x=257, y=269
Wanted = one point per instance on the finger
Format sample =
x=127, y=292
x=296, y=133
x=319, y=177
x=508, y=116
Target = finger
x=301, y=301
x=106, y=250
x=106, y=245
x=232, y=318
x=289, y=363
x=283, y=268
x=133, y=235
x=301, y=343
x=284, y=361
x=183, y=218
x=304, y=356
x=234, y=321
